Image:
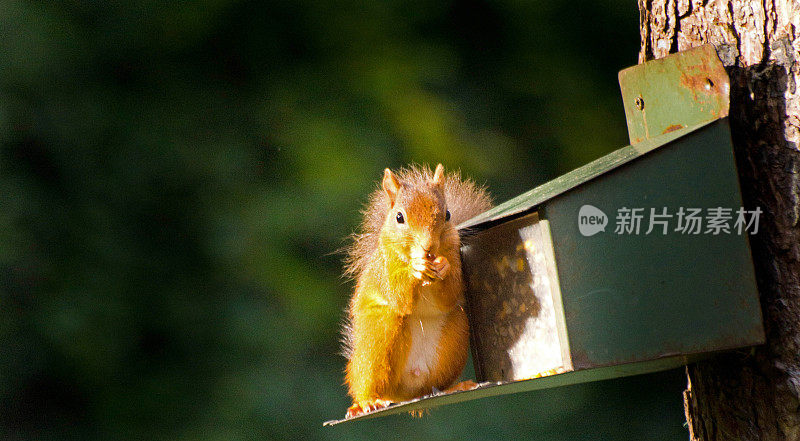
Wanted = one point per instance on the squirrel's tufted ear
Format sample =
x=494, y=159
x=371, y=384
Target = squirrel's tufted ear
x=438, y=175
x=390, y=186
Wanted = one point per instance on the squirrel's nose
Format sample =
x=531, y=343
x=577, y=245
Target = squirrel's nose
x=428, y=246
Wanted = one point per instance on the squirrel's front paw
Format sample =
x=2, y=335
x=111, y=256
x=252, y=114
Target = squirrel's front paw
x=429, y=271
x=442, y=267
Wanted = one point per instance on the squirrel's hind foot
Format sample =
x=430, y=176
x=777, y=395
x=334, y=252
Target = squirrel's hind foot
x=462, y=386
x=366, y=407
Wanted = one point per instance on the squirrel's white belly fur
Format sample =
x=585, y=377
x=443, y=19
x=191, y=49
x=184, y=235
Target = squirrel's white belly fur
x=425, y=322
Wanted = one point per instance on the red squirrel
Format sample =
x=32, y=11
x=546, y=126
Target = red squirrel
x=407, y=333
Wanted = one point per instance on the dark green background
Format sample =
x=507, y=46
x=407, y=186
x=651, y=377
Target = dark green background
x=175, y=177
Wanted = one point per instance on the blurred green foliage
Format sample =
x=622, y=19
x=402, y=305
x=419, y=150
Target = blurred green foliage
x=174, y=177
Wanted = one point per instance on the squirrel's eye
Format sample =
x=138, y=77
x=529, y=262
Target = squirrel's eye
x=400, y=218
x=447, y=215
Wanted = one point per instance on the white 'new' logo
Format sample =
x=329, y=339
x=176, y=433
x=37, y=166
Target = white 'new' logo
x=591, y=220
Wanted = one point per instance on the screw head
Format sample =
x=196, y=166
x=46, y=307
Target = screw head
x=640, y=102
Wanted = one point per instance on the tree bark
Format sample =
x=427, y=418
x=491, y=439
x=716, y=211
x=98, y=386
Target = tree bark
x=750, y=396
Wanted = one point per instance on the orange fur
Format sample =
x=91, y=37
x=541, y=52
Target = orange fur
x=409, y=279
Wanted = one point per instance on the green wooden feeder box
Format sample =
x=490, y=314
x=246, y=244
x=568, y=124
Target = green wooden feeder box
x=557, y=296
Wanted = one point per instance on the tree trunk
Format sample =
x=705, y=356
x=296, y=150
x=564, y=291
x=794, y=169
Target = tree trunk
x=750, y=396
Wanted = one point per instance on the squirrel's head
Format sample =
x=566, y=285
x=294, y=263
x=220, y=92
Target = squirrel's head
x=417, y=221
